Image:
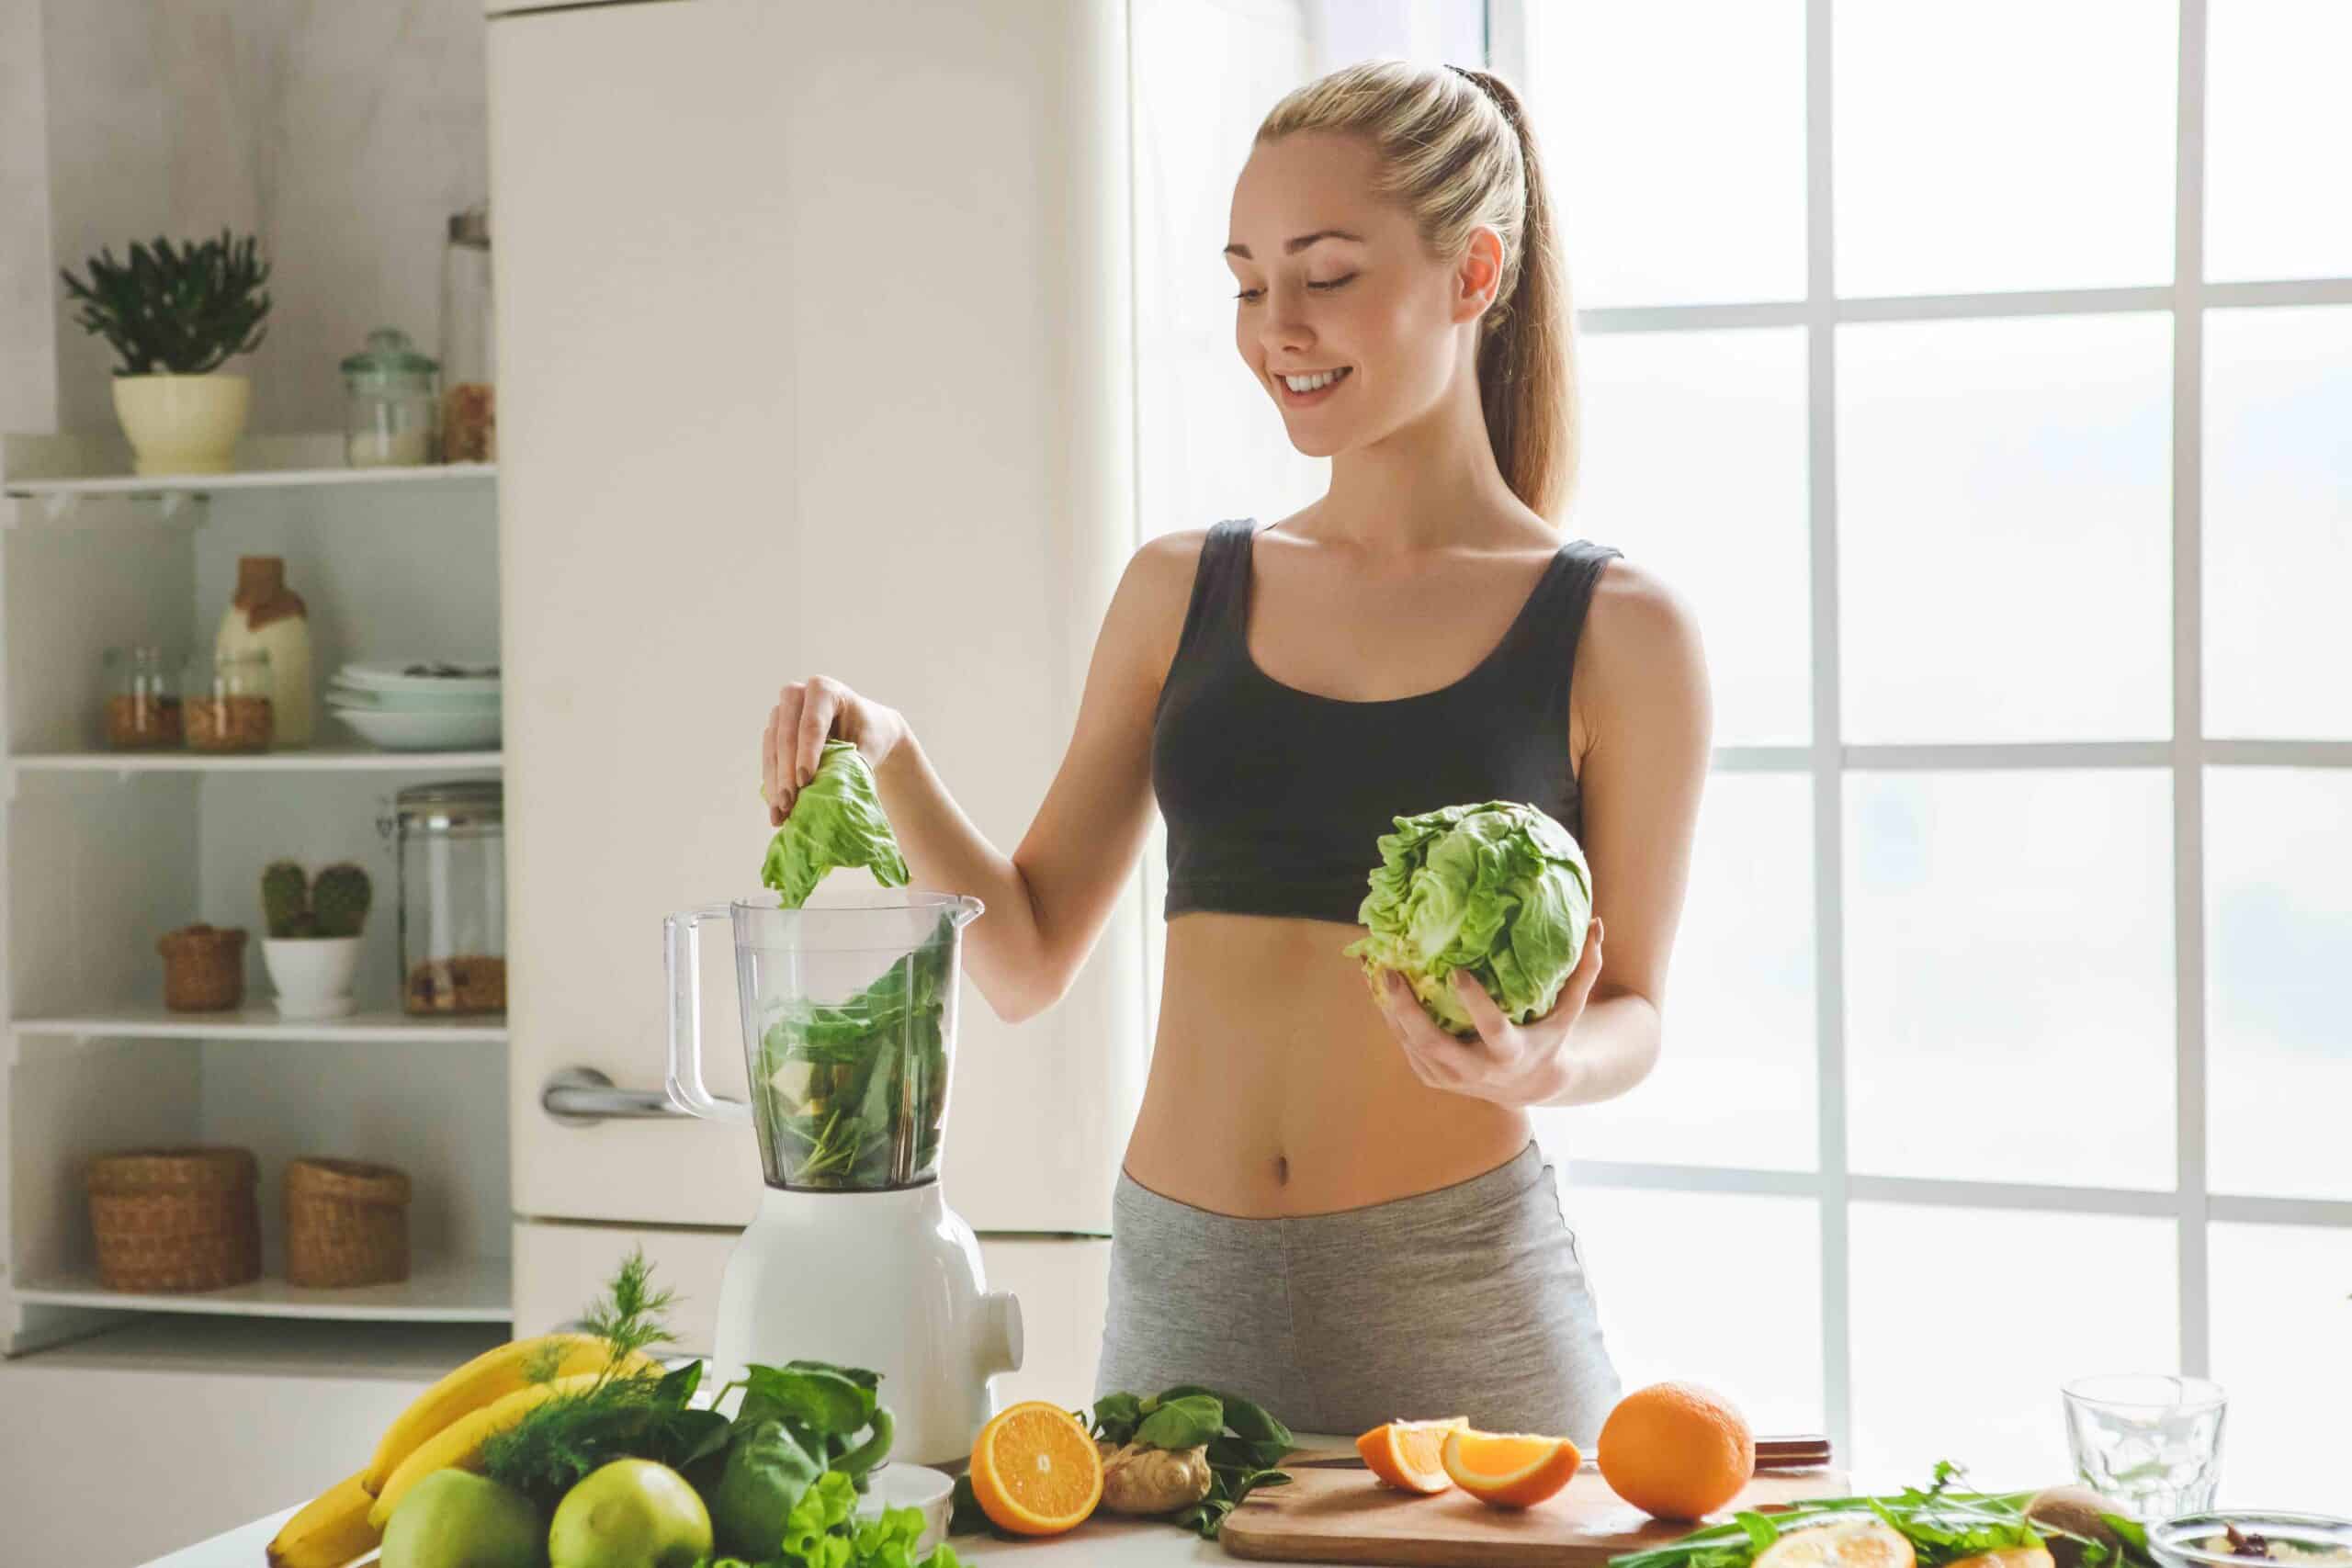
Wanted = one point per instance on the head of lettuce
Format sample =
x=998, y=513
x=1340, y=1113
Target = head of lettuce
x=1500, y=889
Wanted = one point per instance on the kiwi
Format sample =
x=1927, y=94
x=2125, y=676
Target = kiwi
x=2076, y=1509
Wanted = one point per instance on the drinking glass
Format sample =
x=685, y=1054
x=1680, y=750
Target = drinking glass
x=2149, y=1443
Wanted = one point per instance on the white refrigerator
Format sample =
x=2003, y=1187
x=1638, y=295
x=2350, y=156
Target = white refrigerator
x=815, y=352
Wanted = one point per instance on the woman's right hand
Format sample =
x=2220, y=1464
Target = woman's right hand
x=807, y=713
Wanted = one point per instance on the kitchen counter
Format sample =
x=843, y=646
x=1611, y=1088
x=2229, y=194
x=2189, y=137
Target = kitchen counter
x=1103, y=1542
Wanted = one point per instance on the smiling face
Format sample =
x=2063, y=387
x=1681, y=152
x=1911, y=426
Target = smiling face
x=1330, y=278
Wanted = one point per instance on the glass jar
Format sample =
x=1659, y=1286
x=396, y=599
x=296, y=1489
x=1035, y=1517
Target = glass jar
x=391, y=407
x=143, y=699
x=451, y=844
x=227, y=708
x=468, y=349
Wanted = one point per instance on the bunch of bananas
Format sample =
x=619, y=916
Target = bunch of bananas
x=445, y=1426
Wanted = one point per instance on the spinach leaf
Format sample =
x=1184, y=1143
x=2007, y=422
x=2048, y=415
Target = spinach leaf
x=767, y=1472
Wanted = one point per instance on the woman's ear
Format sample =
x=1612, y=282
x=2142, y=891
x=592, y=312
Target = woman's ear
x=1479, y=276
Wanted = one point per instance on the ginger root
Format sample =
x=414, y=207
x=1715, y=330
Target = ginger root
x=1138, y=1479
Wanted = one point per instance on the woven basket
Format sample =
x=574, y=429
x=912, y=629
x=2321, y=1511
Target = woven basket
x=347, y=1224
x=175, y=1219
x=204, y=968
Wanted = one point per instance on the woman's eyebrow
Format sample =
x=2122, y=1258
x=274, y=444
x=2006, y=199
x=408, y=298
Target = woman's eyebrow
x=1292, y=247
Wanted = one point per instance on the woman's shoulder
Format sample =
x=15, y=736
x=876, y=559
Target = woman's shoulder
x=1640, y=640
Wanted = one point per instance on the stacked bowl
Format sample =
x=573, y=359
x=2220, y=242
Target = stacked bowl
x=420, y=705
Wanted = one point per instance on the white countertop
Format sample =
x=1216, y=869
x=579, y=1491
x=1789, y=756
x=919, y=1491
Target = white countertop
x=1105, y=1542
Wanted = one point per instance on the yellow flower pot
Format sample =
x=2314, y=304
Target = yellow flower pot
x=182, y=425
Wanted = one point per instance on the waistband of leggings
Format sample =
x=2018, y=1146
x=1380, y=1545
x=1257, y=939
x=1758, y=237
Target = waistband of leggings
x=1440, y=1205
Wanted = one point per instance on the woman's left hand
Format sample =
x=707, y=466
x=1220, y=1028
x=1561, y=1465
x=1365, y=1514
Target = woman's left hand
x=1513, y=1064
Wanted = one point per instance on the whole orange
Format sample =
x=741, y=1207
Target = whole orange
x=1676, y=1451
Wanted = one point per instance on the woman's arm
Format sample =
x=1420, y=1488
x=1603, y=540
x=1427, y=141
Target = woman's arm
x=1048, y=901
x=1642, y=679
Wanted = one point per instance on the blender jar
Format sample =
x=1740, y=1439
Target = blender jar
x=451, y=845
x=849, y=1030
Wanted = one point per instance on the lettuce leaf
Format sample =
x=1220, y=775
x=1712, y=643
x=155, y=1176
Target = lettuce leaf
x=836, y=819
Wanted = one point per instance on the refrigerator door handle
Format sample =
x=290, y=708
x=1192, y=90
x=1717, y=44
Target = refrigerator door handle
x=581, y=1097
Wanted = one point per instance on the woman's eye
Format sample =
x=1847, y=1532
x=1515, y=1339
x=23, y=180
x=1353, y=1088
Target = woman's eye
x=1249, y=294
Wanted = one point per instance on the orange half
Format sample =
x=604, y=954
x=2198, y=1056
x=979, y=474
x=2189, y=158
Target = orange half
x=1406, y=1453
x=1508, y=1470
x=1035, y=1471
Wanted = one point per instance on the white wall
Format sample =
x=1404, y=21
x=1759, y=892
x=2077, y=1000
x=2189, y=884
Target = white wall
x=342, y=135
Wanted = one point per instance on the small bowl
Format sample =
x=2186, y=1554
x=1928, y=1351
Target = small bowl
x=2171, y=1541
x=913, y=1486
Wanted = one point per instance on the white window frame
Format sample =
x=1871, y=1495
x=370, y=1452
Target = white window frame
x=2191, y=1203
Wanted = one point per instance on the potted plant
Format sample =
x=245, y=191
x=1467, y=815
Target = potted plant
x=312, y=948
x=173, y=316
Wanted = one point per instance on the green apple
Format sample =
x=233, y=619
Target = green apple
x=454, y=1518
x=629, y=1514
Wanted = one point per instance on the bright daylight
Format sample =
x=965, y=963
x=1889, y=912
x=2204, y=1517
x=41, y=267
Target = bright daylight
x=911, y=783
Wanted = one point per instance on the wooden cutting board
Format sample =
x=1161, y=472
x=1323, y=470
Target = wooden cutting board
x=1341, y=1514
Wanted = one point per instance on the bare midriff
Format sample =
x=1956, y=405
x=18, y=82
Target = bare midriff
x=1277, y=1089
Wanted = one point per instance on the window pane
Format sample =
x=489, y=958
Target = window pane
x=1735, y=1084
x=1732, y=1301
x=2274, y=106
x=2279, y=1338
x=1210, y=442
x=1730, y=531
x=2005, y=529
x=2009, y=969
x=2279, y=521
x=1967, y=1321
x=1625, y=108
x=2278, y=1031
x=2011, y=144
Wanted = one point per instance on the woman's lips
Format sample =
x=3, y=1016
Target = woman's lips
x=1308, y=399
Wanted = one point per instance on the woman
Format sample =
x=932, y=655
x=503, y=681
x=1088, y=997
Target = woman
x=1327, y=1203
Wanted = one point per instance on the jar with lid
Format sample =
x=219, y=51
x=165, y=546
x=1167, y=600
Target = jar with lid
x=391, y=403
x=451, y=845
x=143, y=699
x=227, y=706
x=468, y=349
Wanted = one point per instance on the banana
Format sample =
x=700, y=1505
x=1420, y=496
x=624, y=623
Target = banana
x=328, y=1531
x=488, y=1378
x=460, y=1443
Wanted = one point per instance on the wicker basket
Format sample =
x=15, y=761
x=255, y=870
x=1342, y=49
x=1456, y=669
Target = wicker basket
x=347, y=1224
x=204, y=968
x=175, y=1219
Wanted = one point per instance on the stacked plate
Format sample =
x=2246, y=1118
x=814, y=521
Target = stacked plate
x=426, y=705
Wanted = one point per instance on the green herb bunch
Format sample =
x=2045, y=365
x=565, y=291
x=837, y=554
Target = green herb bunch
x=781, y=1478
x=1942, y=1524
x=182, y=310
x=1244, y=1440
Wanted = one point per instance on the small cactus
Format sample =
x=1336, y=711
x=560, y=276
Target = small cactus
x=339, y=901
x=286, y=899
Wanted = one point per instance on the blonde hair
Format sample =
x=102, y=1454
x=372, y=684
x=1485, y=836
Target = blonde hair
x=1455, y=151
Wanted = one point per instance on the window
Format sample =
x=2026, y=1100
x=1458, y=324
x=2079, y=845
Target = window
x=2008, y=1034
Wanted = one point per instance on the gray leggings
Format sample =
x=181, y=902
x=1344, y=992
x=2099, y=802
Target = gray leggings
x=1470, y=1301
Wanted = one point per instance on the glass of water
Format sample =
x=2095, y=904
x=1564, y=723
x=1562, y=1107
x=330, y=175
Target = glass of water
x=2149, y=1443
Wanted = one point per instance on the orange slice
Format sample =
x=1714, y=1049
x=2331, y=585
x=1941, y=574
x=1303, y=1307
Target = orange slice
x=1035, y=1471
x=1508, y=1470
x=1405, y=1453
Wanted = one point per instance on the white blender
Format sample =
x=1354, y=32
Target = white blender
x=855, y=1258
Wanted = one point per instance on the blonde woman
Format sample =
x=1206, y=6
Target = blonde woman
x=1327, y=1203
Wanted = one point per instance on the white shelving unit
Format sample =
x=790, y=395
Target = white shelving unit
x=438, y=1290
x=154, y=1021
x=105, y=850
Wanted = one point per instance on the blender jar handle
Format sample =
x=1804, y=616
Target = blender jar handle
x=682, y=954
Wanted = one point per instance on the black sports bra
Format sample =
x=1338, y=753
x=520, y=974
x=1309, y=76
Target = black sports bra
x=1275, y=797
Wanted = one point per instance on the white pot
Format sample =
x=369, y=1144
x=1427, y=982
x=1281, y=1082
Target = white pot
x=312, y=974
x=182, y=425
